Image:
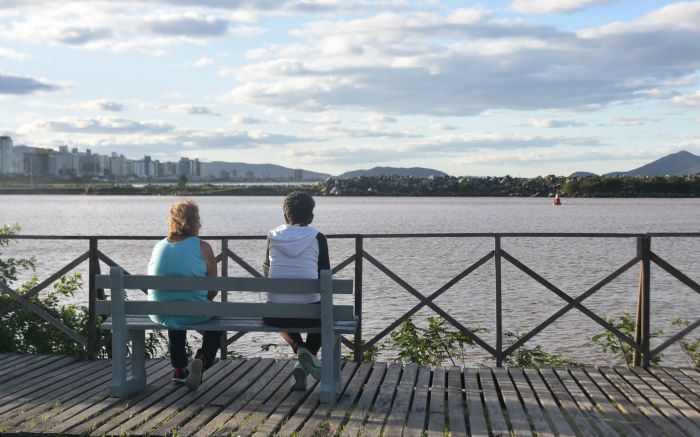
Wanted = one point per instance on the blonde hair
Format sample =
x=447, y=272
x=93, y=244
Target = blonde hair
x=183, y=220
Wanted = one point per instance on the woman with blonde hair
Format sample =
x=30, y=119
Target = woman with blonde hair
x=182, y=253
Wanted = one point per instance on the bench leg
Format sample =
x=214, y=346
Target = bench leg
x=330, y=371
x=138, y=358
x=122, y=384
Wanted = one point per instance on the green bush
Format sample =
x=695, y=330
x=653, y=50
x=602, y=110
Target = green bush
x=624, y=353
x=691, y=348
x=526, y=356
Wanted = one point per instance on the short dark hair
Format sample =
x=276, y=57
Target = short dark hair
x=299, y=208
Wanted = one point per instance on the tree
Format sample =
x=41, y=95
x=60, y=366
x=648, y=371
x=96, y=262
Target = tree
x=181, y=181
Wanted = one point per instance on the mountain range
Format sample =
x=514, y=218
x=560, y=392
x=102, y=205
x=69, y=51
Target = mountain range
x=419, y=172
x=676, y=164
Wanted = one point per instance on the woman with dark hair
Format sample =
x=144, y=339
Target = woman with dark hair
x=182, y=253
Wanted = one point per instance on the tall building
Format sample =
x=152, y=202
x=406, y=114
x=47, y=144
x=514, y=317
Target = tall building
x=298, y=175
x=6, y=158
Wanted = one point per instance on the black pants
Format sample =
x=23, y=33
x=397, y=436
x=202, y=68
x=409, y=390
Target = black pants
x=294, y=339
x=178, y=347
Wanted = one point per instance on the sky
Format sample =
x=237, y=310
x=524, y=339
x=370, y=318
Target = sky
x=517, y=87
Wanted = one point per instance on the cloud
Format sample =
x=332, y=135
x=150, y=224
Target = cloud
x=191, y=110
x=552, y=6
x=20, y=85
x=104, y=105
x=189, y=24
x=543, y=123
x=626, y=121
x=466, y=62
x=244, y=119
x=97, y=125
x=202, y=62
x=295, y=6
x=11, y=54
x=689, y=99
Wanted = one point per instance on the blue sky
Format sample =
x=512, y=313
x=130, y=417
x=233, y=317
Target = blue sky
x=521, y=87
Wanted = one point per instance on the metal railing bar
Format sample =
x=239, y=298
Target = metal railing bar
x=241, y=262
x=383, y=333
x=46, y=282
x=677, y=336
x=107, y=260
x=342, y=265
x=593, y=316
x=675, y=272
x=232, y=339
x=422, y=298
x=566, y=308
x=30, y=306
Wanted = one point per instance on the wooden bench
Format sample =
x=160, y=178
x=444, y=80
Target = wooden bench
x=129, y=318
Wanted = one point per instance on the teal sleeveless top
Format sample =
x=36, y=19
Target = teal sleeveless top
x=181, y=258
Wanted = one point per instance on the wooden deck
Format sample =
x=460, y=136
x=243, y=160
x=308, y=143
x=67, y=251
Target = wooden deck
x=55, y=395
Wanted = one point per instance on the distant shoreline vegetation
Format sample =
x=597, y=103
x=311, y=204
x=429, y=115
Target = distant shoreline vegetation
x=384, y=185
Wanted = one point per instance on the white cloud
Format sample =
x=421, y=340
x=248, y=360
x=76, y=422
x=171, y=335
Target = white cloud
x=552, y=6
x=14, y=55
x=689, y=99
x=546, y=123
x=627, y=121
x=95, y=125
x=202, y=62
x=190, y=109
x=104, y=105
x=20, y=85
x=244, y=119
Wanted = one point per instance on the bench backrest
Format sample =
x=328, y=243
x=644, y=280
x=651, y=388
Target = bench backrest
x=118, y=282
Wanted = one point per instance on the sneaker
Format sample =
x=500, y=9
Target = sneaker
x=180, y=375
x=195, y=377
x=299, y=374
x=310, y=363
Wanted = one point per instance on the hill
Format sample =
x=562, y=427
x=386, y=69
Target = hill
x=418, y=172
x=581, y=174
x=240, y=171
x=676, y=164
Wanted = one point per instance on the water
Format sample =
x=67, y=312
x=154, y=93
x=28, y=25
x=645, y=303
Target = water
x=572, y=264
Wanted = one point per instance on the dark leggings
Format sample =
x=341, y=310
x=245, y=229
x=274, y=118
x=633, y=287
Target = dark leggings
x=294, y=339
x=178, y=347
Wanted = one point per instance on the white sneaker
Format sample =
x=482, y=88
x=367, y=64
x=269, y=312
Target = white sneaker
x=310, y=363
x=299, y=374
x=195, y=377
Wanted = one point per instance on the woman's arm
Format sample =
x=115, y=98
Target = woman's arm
x=210, y=259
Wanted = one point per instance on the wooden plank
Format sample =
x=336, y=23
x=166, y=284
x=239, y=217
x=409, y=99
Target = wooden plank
x=516, y=413
x=655, y=417
x=492, y=403
x=173, y=410
x=28, y=378
x=22, y=387
x=620, y=422
x=584, y=403
x=26, y=364
x=202, y=410
x=436, y=412
x=253, y=413
x=98, y=407
x=385, y=397
x=312, y=403
x=678, y=390
x=284, y=409
x=664, y=399
x=54, y=401
x=79, y=408
x=402, y=402
x=530, y=404
x=331, y=424
x=691, y=373
x=473, y=393
x=456, y=407
x=357, y=418
x=8, y=358
x=578, y=418
x=549, y=404
x=684, y=379
x=683, y=385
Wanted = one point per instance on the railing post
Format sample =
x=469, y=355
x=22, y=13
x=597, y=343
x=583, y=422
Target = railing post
x=224, y=293
x=93, y=269
x=643, y=326
x=499, y=309
x=358, y=298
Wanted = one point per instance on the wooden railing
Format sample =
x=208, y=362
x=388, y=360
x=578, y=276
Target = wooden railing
x=644, y=257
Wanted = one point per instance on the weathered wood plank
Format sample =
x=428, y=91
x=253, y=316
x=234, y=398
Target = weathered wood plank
x=25, y=365
x=549, y=404
x=620, y=422
x=357, y=418
x=329, y=424
x=436, y=414
x=569, y=407
x=662, y=383
x=312, y=403
x=492, y=403
x=402, y=402
x=530, y=404
x=516, y=413
x=684, y=379
x=201, y=411
x=417, y=416
x=255, y=412
x=691, y=373
x=45, y=372
x=456, y=407
x=669, y=404
x=383, y=401
x=584, y=403
x=475, y=409
x=648, y=409
x=692, y=397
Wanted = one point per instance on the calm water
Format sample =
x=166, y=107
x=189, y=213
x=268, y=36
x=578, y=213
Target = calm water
x=573, y=264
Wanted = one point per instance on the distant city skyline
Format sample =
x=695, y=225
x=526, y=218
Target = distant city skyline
x=519, y=87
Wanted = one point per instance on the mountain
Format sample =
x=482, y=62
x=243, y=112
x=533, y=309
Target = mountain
x=676, y=164
x=239, y=170
x=581, y=174
x=418, y=172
